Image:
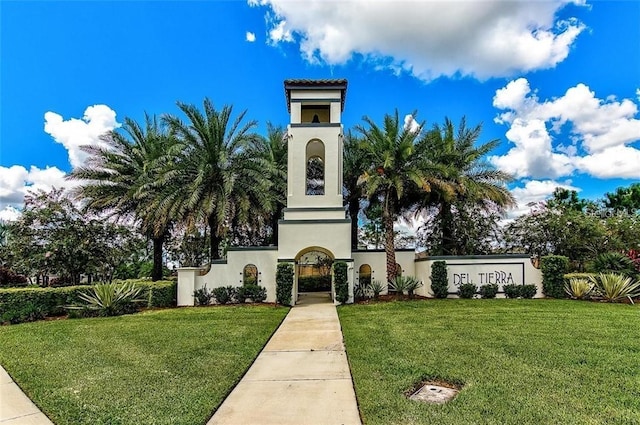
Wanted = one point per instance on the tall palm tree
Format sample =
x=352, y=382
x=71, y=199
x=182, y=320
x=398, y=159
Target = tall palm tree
x=397, y=167
x=215, y=177
x=355, y=164
x=470, y=179
x=119, y=179
x=274, y=151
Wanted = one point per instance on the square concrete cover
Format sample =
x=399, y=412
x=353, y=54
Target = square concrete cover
x=286, y=402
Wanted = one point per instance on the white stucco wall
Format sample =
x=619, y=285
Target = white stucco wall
x=483, y=269
x=377, y=259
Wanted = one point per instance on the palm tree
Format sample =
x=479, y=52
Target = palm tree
x=274, y=151
x=470, y=179
x=119, y=178
x=215, y=176
x=355, y=163
x=397, y=168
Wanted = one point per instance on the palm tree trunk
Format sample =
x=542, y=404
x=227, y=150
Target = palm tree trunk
x=389, y=246
x=354, y=209
x=156, y=273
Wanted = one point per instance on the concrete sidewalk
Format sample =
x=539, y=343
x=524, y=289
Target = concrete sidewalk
x=15, y=407
x=301, y=377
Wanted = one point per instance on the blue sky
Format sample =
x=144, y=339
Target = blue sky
x=556, y=81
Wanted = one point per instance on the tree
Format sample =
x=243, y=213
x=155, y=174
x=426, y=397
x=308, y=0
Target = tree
x=396, y=168
x=624, y=199
x=53, y=236
x=120, y=179
x=471, y=182
x=355, y=164
x=274, y=151
x=215, y=176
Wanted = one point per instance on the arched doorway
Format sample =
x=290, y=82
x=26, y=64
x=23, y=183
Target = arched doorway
x=314, y=274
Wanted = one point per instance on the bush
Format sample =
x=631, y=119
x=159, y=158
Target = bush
x=376, y=288
x=225, y=294
x=284, y=283
x=407, y=284
x=255, y=293
x=553, y=269
x=361, y=290
x=110, y=299
x=341, y=281
x=528, y=291
x=615, y=287
x=489, y=290
x=439, y=281
x=467, y=290
x=203, y=296
x=578, y=288
x=520, y=291
x=614, y=262
x=32, y=303
x=314, y=283
x=10, y=279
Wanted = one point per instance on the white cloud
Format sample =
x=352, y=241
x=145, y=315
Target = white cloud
x=74, y=132
x=9, y=213
x=533, y=192
x=16, y=181
x=411, y=124
x=575, y=132
x=427, y=38
x=250, y=37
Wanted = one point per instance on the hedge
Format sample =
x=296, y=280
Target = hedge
x=314, y=283
x=553, y=269
x=34, y=303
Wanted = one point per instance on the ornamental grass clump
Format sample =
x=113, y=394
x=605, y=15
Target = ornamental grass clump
x=110, y=299
x=614, y=287
x=578, y=288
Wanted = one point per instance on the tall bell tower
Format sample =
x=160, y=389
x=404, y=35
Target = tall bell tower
x=315, y=215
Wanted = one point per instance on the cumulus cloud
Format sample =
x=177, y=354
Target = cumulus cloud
x=74, y=132
x=250, y=37
x=427, y=38
x=574, y=132
x=9, y=214
x=533, y=192
x=16, y=181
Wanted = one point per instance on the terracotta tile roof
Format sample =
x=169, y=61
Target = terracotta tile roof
x=302, y=83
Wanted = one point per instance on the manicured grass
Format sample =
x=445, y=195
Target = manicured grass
x=158, y=367
x=521, y=361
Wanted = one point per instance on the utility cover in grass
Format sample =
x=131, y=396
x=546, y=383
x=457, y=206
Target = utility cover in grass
x=431, y=393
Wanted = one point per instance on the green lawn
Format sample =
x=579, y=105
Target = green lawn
x=521, y=361
x=158, y=367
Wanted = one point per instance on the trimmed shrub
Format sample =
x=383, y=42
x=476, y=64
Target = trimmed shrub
x=32, y=303
x=528, y=291
x=520, y=291
x=203, y=296
x=225, y=294
x=467, y=290
x=489, y=290
x=255, y=293
x=341, y=281
x=554, y=268
x=439, y=281
x=314, y=283
x=162, y=293
x=284, y=283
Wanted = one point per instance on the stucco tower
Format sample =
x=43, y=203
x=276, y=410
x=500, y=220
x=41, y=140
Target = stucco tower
x=315, y=215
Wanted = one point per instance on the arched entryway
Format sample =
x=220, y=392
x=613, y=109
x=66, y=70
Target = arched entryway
x=314, y=273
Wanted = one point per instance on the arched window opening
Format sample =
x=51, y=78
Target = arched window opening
x=250, y=275
x=364, y=275
x=315, y=176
